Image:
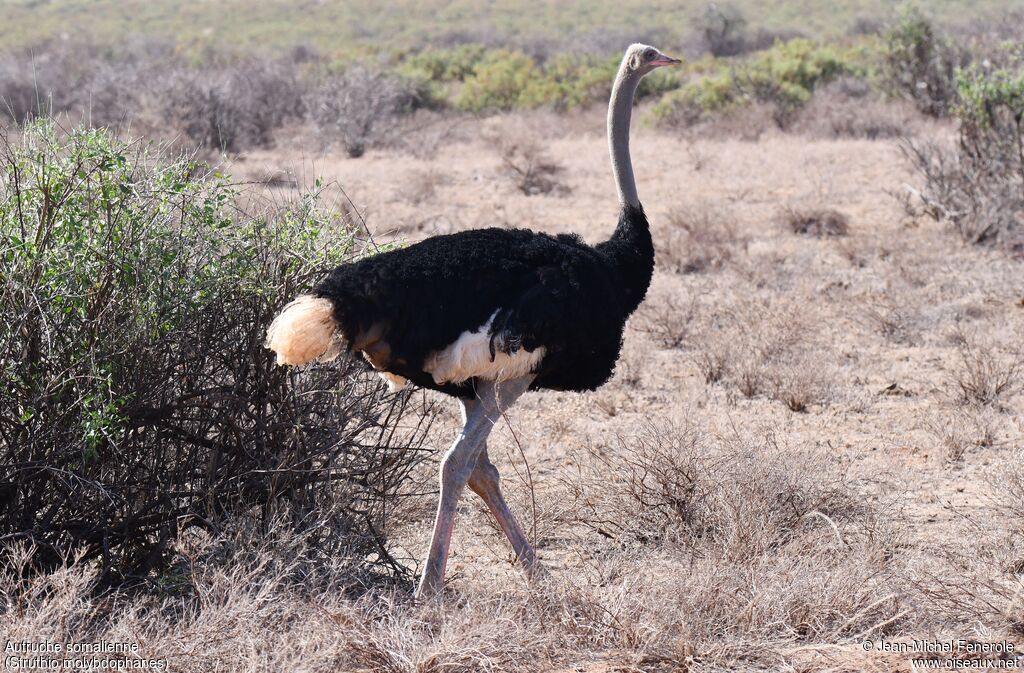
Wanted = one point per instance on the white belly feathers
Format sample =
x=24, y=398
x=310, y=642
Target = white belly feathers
x=470, y=357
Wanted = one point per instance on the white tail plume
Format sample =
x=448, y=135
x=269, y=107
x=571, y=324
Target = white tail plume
x=304, y=331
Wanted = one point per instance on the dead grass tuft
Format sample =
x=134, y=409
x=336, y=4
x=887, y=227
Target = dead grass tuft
x=816, y=222
x=673, y=483
x=987, y=374
x=668, y=319
x=764, y=348
x=525, y=161
x=699, y=238
x=958, y=431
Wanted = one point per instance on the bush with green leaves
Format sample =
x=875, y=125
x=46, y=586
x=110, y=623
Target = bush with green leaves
x=510, y=80
x=442, y=65
x=498, y=82
x=138, y=399
x=784, y=77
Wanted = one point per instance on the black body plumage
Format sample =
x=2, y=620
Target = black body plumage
x=552, y=291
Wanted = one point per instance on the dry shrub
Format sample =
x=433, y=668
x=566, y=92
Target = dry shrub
x=801, y=381
x=957, y=431
x=360, y=107
x=894, y=320
x=721, y=30
x=699, y=238
x=760, y=348
x=422, y=185
x=236, y=106
x=846, y=108
x=987, y=373
x=713, y=362
x=816, y=222
x=83, y=80
x=739, y=497
x=526, y=162
x=980, y=202
x=668, y=319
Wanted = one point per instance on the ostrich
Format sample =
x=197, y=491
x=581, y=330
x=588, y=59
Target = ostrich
x=486, y=315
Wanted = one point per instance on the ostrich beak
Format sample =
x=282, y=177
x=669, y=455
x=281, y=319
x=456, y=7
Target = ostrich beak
x=662, y=59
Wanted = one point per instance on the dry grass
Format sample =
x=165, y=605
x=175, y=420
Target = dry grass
x=525, y=162
x=763, y=348
x=816, y=222
x=986, y=373
x=958, y=431
x=667, y=318
x=688, y=518
x=698, y=238
x=713, y=519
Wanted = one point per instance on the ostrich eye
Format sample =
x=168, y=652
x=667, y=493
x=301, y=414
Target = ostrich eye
x=649, y=54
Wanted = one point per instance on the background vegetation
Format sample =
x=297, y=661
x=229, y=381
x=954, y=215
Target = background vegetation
x=344, y=28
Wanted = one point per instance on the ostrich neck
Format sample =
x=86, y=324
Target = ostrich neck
x=620, y=109
x=629, y=251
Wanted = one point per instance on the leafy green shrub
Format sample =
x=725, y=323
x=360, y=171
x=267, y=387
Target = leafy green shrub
x=990, y=109
x=787, y=74
x=443, y=65
x=697, y=100
x=506, y=80
x=138, y=399
x=569, y=82
x=784, y=76
x=498, y=82
x=920, y=64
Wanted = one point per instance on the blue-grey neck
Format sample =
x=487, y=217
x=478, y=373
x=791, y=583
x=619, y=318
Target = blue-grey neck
x=620, y=109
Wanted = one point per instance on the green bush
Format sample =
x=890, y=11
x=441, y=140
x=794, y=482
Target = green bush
x=784, y=76
x=789, y=72
x=498, y=82
x=506, y=81
x=703, y=97
x=137, y=396
x=443, y=65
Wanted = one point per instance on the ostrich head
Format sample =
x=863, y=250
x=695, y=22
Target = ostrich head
x=643, y=58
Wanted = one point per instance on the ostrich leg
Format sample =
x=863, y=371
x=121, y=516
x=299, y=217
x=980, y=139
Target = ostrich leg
x=485, y=482
x=479, y=416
